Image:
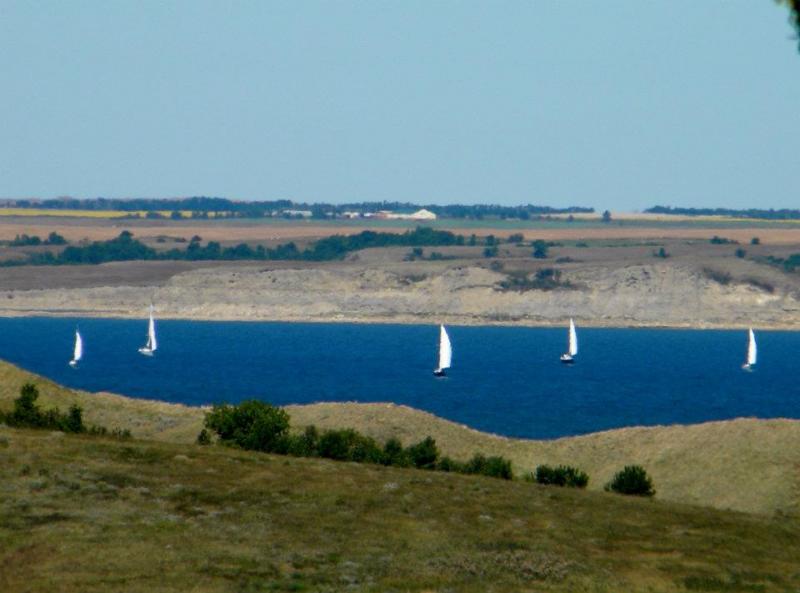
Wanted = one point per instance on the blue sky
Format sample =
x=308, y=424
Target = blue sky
x=618, y=104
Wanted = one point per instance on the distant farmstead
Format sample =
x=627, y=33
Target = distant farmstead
x=422, y=214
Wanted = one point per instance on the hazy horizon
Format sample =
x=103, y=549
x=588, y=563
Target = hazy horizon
x=622, y=106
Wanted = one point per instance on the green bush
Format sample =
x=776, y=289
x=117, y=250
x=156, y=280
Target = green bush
x=259, y=426
x=562, y=475
x=424, y=454
x=306, y=444
x=495, y=467
x=348, y=445
x=632, y=480
x=740, y=253
x=204, y=438
x=755, y=241
x=540, y=249
x=446, y=464
x=394, y=454
x=250, y=425
x=27, y=414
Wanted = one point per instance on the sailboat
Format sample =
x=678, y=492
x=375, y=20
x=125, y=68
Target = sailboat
x=77, y=354
x=150, y=347
x=445, y=352
x=572, y=345
x=752, y=351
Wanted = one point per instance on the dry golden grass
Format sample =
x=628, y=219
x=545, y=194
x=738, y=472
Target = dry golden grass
x=146, y=419
x=746, y=464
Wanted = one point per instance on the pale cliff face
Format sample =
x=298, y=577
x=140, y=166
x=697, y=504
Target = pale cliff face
x=671, y=293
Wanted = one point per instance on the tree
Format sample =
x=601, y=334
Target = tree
x=740, y=253
x=606, y=216
x=755, y=241
x=540, y=249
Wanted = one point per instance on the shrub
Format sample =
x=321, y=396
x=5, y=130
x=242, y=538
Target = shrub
x=543, y=279
x=717, y=275
x=73, y=422
x=424, y=454
x=662, y=253
x=516, y=238
x=250, y=425
x=740, y=253
x=27, y=414
x=55, y=239
x=394, y=454
x=446, y=464
x=306, y=444
x=204, y=438
x=490, y=251
x=632, y=480
x=348, y=445
x=562, y=475
x=755, y=241
x=716, y=240
x=540, y=249
x=496, y=467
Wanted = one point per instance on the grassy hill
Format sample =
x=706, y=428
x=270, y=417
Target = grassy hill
x=746, y=465
x=83, y=514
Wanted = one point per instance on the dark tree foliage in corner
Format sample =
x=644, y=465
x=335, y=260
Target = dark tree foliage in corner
x=794, y=15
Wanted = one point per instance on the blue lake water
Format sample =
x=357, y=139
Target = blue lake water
x=504, y=380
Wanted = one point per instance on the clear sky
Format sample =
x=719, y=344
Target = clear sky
x=615, y=104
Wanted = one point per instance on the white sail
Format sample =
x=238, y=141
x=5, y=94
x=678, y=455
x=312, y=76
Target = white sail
x=751, y=348
x=573, y=339
x=445, y=349
x=152, y=344
x=78, y=352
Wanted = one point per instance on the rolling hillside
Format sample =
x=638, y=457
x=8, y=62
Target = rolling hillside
x=83, y=514
x=745, y=465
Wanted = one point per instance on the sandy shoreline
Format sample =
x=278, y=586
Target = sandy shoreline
x=402, y=320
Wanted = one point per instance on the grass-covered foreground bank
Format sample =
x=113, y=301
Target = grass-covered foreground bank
x=80, y=513
x=745, y=464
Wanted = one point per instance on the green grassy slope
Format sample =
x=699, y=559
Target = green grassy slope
x=746, y=465
x=82, y=514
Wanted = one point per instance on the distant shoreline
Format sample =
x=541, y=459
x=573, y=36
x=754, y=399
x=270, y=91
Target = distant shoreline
x=401, y=320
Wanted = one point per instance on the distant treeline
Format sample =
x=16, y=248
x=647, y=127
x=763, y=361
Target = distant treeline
x=125, y=248
x=782, y=214
x=201, y=206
